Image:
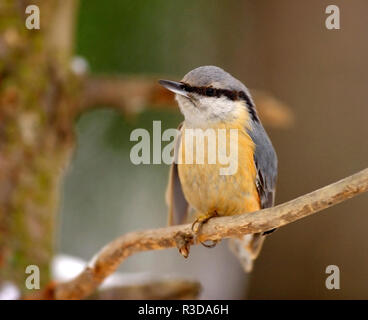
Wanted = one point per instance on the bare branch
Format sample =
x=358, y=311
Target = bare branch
x=132, y=94
x=110, y=257
x=272, y=111
x=159, y=288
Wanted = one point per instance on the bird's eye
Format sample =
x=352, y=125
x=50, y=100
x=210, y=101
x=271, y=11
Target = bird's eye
x=210, y=92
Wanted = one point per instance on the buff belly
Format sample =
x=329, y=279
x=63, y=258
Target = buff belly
x=209, y=192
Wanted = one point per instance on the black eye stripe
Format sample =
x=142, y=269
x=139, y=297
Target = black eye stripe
x=212, y=92
x=230, y=94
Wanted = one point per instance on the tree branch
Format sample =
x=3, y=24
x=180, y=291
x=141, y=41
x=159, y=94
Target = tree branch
x=132, y=94
x=129, y=94
x=113, y=254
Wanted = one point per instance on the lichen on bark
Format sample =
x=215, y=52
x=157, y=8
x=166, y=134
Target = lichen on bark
x=38, y=94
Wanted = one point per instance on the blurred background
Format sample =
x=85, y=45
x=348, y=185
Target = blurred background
x=281, y=47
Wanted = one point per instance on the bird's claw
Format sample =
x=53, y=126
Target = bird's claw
x=212, y=245
x=196, y=228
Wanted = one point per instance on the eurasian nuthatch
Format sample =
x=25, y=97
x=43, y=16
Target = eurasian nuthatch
x=209, y=97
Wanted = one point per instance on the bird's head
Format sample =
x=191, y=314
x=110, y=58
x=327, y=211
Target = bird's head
x=209, y=94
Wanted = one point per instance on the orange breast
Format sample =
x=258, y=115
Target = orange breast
x=206, y=189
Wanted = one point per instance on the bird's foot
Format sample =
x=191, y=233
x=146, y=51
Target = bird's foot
x=198, y=224
x=201, y=220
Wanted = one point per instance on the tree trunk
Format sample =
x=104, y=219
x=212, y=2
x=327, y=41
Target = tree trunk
x=37, y=106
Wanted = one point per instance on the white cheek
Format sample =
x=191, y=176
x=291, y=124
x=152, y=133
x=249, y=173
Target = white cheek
x=207, y=110
x=218, y=107
x=192, y=114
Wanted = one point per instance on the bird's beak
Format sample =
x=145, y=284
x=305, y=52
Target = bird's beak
x=173, y=86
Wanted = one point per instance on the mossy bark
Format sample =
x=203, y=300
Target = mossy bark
x=38, y=95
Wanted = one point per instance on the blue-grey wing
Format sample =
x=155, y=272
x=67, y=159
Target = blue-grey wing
x=248, y=247
x=265, y=159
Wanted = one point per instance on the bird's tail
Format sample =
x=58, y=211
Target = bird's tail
x=247, y=249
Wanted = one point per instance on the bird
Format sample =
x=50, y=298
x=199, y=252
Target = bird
x=211, y=98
